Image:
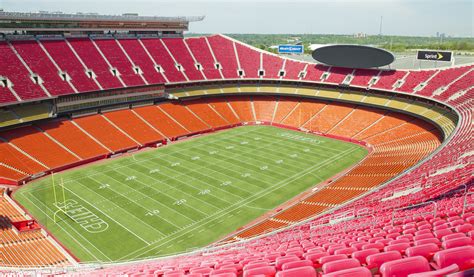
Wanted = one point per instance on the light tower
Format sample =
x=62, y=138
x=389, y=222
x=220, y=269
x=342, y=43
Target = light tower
x=380, y=29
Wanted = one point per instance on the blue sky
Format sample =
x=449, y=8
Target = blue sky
x=400, y=17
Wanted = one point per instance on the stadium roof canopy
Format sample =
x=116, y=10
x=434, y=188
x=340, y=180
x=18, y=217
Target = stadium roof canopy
x=58, y=21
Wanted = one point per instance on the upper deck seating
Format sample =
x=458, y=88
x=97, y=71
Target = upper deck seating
x=39, y=63
x=91, y=57
x=68, y=62
x=117, y=59
x=203, y=55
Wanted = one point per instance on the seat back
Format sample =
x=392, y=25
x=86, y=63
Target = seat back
x=331, y=258
x=374, y=261
x=296, y=264
x=404, y=267
x=356, y=271
x=425, y=250
x=307, y=271
x=401, y=247
x=462, y=256
x=340, y=265
x=281, y=260
x=457, y=242
x=264, y=270
x=362, y=254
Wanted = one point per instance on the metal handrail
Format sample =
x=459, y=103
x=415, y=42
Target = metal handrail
x=465, y=204
x=413, y=206
x=92, y=16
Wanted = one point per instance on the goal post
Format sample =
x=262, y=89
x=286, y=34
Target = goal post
x=58, y=199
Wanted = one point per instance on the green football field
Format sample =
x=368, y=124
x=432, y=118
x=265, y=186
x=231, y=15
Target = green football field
x=185, y=195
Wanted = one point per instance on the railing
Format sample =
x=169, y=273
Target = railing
x=435, y=209
x=465, y=202
x=87, y=16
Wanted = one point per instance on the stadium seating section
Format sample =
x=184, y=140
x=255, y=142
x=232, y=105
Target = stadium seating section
x=357, y=224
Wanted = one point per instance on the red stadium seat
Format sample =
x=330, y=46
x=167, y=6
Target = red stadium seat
x=265, y=270
x=440, y=272
x=280, y=261
x=306, y=271
x=374, y=261
x=296, y=264
x=425, y=250
x=462, y=256
x=401, y=247
x=456, y=242
x=340, y=265
x=404, y=267
x=362, y=254
x=356, y=271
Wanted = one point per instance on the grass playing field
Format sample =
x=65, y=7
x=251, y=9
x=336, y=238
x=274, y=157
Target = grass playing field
x=185, y=195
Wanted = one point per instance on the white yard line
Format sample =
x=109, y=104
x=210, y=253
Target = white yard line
x=90, y=204
x=149, y=186
x=239, y=204
x=181, y=149
x=59, y=225
x=188, y=184
x=231, y=137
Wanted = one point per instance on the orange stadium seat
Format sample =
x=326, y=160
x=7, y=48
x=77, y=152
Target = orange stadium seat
x=303, y=113
x=264, y=108
x=38, y=145
x=16, y=159
x=329, y=117
x=224, y=110
x=98, y=127
x=184, y=117
x=73, y=138
x=162, y=122
x=203, y=110
x=284, y=107
x=243, y=108
x=130, y=123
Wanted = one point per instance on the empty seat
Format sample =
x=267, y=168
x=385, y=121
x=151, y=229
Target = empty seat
x=374, y=261
x=264, y=270
x=306, y=271
x=282, y=260
x=423, y=236
x=296, y=264
x=202, y=270
x=440, y=272
x=362, y=254
x=314, y=257
x=441, y=233
x=404, y=267
x=426, y=241
x=376, y=245
x=347, y=250
x=401, y=247
x=255, y=265
x=228, y=274
x=453, y=236
x=328, y=259
x=456, y=242
x=464, y=228
x=356, y=271
x=340, y=265
x=398, y=241
x=462, y=256
x=425, y=250
x=224, y=271
x=456, y=222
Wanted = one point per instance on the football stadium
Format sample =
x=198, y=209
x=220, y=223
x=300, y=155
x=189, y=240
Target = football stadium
x=130, y=149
